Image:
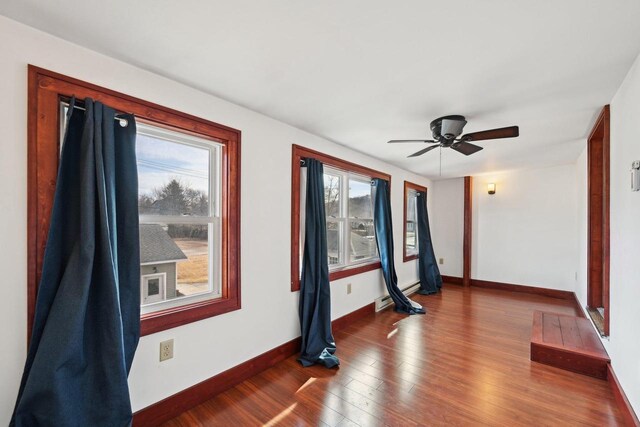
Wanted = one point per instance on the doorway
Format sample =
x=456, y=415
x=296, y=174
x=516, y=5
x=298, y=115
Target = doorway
x=598, y=223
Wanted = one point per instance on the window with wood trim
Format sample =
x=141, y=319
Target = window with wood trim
x=410, y=222
x=189, y=200
x=349, y=209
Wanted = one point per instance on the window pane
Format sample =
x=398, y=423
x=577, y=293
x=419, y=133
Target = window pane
x=154, y=287
x=411, y=237
x=332, y=195
x=360, y=199
x=411, y=206
x=363, y=241
x=334, y=243
x=173, y=178
x=181, y=252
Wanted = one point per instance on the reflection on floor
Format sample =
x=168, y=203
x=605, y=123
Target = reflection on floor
x=465, y=363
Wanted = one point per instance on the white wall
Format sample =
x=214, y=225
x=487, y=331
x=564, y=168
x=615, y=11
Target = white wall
x=525, y=234
x=623, y=344
x=448, y=214
x=269, y=310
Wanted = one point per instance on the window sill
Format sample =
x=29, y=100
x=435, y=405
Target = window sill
x=410, y=257
x=346, y=272
x=352, y=271
x=169, y=318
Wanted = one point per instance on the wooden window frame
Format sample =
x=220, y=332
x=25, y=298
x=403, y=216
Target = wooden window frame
x=46, y=90
x=408, y=186
x=299, y=153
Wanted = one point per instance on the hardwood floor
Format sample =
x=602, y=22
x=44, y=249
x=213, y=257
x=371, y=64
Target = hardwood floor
x=465, y=363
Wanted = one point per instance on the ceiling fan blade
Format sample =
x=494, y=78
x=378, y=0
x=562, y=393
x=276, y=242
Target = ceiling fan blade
x=424, y=150
x=465, y=148
x=508, y=132
x=396, y=141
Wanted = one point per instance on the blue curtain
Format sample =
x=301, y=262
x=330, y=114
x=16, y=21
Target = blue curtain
x=384, y=238
x=318, y=345
x=87, y=320
x=430, y=279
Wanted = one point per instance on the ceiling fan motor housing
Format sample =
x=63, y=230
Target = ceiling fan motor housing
x=448, y=127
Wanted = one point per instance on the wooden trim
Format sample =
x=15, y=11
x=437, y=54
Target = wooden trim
x=46, y=89
x=297, y=154
x=598, y=237
x=452, y=280
x=343, y=322
x=302, y=152
x=182, y=401
x=629, y=415
x=408, y=186
x=468, y=230
x=606, y=144
x=553, y=293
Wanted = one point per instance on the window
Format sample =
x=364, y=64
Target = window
x=178, y=201
x=410, y=228
x=153, y=288
x=351, y=243
x=189, y=203
x=349, y=211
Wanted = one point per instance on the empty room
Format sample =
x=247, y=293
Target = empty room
x=336, y=213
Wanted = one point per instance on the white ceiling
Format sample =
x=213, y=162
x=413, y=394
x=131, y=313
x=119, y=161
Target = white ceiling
x=361, y=72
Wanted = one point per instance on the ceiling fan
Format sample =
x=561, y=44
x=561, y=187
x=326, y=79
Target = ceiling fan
x=446, y=134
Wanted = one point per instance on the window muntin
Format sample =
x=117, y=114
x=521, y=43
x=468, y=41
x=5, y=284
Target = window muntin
x=349, y=213
x=179, y=200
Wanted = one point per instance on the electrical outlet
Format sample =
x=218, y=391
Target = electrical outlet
x=166, y=350
x=348, y=288
x=441, y=260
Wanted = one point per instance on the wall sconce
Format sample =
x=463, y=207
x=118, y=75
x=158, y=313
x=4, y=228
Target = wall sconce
x=491, y=188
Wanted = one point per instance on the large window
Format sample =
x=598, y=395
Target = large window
x=189, y=200
x=351, y=243
x=410, y=228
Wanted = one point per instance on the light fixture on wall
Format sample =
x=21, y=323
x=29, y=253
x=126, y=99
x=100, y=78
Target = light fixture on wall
x=491, y=188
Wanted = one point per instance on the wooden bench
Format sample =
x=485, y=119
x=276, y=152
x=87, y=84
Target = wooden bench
x=568, y=342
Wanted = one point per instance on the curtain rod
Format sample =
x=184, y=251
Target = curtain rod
x=123, y=122
x=303, y=164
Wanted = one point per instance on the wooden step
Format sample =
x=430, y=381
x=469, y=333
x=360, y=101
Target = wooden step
x=568, y=342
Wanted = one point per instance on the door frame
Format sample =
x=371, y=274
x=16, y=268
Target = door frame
x=598, y=152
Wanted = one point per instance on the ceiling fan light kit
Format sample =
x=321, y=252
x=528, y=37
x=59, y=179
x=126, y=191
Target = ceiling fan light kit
x=446, y=133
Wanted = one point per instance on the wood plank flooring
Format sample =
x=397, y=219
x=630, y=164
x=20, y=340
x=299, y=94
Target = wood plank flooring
x=465, y=363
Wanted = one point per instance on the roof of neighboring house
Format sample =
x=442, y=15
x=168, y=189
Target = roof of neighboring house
x=157, y=246
x=360, y=246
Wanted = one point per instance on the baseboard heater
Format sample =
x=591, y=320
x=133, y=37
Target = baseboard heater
x=385, y=301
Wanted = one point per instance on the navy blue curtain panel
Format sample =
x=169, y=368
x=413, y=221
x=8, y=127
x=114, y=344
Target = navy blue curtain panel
x=318, y=345
x=384, y=238
x=87, y=319
x=430, y=279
